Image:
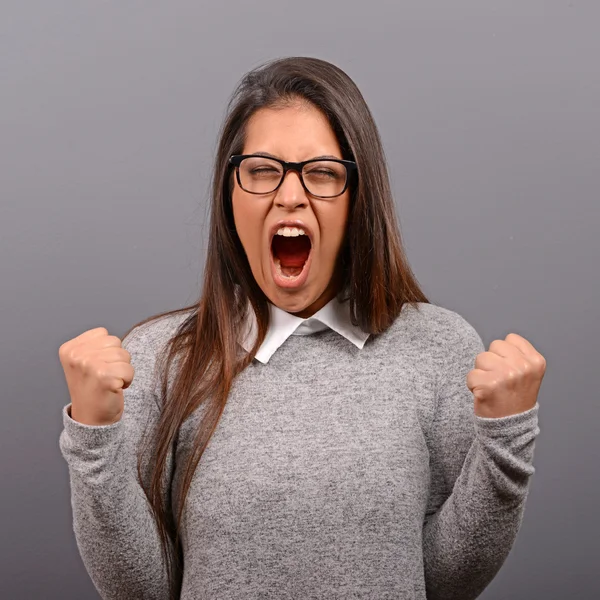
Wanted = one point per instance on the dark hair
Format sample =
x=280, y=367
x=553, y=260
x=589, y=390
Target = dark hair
x=376, y=278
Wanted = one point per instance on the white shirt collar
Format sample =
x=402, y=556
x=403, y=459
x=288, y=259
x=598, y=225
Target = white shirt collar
x=334, y=315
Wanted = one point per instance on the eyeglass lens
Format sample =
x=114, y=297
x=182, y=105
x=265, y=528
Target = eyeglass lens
x=322, y=178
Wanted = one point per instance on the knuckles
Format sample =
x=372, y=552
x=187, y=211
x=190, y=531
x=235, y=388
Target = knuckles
x=513, y=337
x=539, y=363
x=76, y=355
x=495, y=344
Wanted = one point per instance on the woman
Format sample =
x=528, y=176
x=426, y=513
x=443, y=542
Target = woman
x=313, y=427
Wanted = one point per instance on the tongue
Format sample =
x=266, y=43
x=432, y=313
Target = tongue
x=291, y=251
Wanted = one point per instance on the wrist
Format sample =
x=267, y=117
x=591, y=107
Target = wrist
x=76, y=414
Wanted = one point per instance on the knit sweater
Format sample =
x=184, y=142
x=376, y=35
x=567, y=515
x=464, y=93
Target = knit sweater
x=334, y=472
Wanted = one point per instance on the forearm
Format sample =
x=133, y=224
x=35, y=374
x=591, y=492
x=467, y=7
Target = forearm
x=466, y=542
x=114, y=528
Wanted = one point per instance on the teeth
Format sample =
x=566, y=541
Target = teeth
x=290, y=231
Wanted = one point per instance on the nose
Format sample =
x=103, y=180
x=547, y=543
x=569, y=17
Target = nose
x=291, y=194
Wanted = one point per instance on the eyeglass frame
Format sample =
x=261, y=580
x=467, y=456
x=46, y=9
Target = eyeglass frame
x=236, y=159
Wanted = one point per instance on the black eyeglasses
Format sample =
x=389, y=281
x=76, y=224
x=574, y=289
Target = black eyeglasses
x=320, y=177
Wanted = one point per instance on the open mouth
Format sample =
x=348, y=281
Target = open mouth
x=290, y=248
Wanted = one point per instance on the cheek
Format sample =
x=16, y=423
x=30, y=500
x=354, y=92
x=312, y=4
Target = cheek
x=333, y=229
x=248, y=224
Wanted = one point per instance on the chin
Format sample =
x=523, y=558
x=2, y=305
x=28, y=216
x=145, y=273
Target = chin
x=292, y=301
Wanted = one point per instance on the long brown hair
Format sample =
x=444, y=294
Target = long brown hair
x=376, y=278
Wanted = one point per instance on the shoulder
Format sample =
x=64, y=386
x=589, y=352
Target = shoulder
x=147, y=345
x=153, y=335
x=443, y=324
x=434, y=329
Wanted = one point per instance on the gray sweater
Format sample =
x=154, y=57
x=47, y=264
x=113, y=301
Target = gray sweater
x=333, y=473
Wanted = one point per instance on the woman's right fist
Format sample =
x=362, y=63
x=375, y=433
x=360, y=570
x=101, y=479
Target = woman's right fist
x=97, y=370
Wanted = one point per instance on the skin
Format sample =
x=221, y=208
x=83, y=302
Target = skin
x=506, y=379
x=294, y=133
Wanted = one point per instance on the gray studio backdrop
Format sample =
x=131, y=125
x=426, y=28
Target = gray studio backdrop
x=489, y=112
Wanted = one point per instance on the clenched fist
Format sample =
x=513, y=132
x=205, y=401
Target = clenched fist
x=97, y=370
x=506, y=379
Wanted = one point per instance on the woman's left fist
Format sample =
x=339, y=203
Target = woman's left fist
x=506, y=379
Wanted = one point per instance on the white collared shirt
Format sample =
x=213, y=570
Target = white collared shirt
x=334, y=315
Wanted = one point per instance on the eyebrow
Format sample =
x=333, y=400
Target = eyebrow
x=323, y=157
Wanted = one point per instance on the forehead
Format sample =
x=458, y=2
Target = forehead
x=296, y=132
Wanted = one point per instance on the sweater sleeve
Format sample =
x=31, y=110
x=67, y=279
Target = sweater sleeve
x=112, y=520
x=480, y=473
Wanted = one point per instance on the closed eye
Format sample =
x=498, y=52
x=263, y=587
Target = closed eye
x=322, y=173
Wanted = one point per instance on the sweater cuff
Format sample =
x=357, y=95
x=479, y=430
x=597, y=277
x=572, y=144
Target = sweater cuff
x=90, y=436
x=510, y=425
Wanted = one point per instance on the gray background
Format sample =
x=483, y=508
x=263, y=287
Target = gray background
x=489, y=115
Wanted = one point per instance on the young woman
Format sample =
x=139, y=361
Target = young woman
x=313, y=427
